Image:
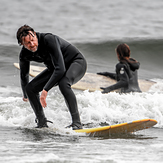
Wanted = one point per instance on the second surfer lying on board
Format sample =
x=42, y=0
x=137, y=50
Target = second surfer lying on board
x=126, y=72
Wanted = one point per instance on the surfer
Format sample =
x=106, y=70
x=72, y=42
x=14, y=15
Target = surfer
x=126, y=72
x=65, y=66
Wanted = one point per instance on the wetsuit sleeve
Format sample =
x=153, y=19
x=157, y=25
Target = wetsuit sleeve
x=123, y=79
x=108, y=74
x=54, y=49
x=24, y=75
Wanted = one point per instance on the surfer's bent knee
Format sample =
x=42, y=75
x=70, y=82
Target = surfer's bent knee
x=29, y=88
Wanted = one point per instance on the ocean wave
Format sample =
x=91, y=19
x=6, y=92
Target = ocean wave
x=94, y=108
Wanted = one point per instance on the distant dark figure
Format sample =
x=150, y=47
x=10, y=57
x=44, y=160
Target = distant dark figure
x=126, y=72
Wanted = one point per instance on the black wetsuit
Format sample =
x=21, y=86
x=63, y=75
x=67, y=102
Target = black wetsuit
x=126, y=76
x=65, y=66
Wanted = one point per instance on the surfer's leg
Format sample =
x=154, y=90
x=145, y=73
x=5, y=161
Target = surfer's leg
x=32, y=89
x=75, y=72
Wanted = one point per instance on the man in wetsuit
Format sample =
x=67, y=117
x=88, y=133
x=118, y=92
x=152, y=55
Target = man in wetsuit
x=126, y=72
x=65, y=66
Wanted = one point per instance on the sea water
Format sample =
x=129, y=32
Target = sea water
x=21, y=142
x=95, y=28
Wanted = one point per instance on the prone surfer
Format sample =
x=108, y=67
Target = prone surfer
x=65, y=66
x=126, y=72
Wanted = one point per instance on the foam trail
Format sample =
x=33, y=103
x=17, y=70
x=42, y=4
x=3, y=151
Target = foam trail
x=115, y=108
x=95, y=108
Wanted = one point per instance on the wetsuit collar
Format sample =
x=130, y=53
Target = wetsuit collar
x=38, y=37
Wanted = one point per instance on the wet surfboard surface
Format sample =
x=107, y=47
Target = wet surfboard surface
x=119, y=129
x=91, y=81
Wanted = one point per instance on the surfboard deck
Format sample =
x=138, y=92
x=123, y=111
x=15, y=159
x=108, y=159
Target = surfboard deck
x=91, y=81
x=119, y=129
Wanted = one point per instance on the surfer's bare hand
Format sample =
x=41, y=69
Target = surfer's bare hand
x=25, y=99
x=43, y=98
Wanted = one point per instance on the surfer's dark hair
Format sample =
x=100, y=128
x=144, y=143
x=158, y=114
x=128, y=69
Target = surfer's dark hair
x=23, y=31
x=123, y=50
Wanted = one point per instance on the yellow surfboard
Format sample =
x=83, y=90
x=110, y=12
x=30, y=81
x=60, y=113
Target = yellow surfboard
x=119, y=129
x=91, y=81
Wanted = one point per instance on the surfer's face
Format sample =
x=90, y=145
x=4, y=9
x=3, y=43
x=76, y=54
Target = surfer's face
x=30, y=41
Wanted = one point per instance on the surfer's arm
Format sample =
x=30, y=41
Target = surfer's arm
x=108, y=74
x=57, y=60
x=122, y=82
x=24, y=76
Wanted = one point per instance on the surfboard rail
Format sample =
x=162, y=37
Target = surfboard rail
x=117, y=129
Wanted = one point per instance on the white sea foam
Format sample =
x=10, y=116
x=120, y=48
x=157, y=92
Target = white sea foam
x=94, y=108
x=158, y=87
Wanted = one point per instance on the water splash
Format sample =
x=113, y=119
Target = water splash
x=94, y=107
